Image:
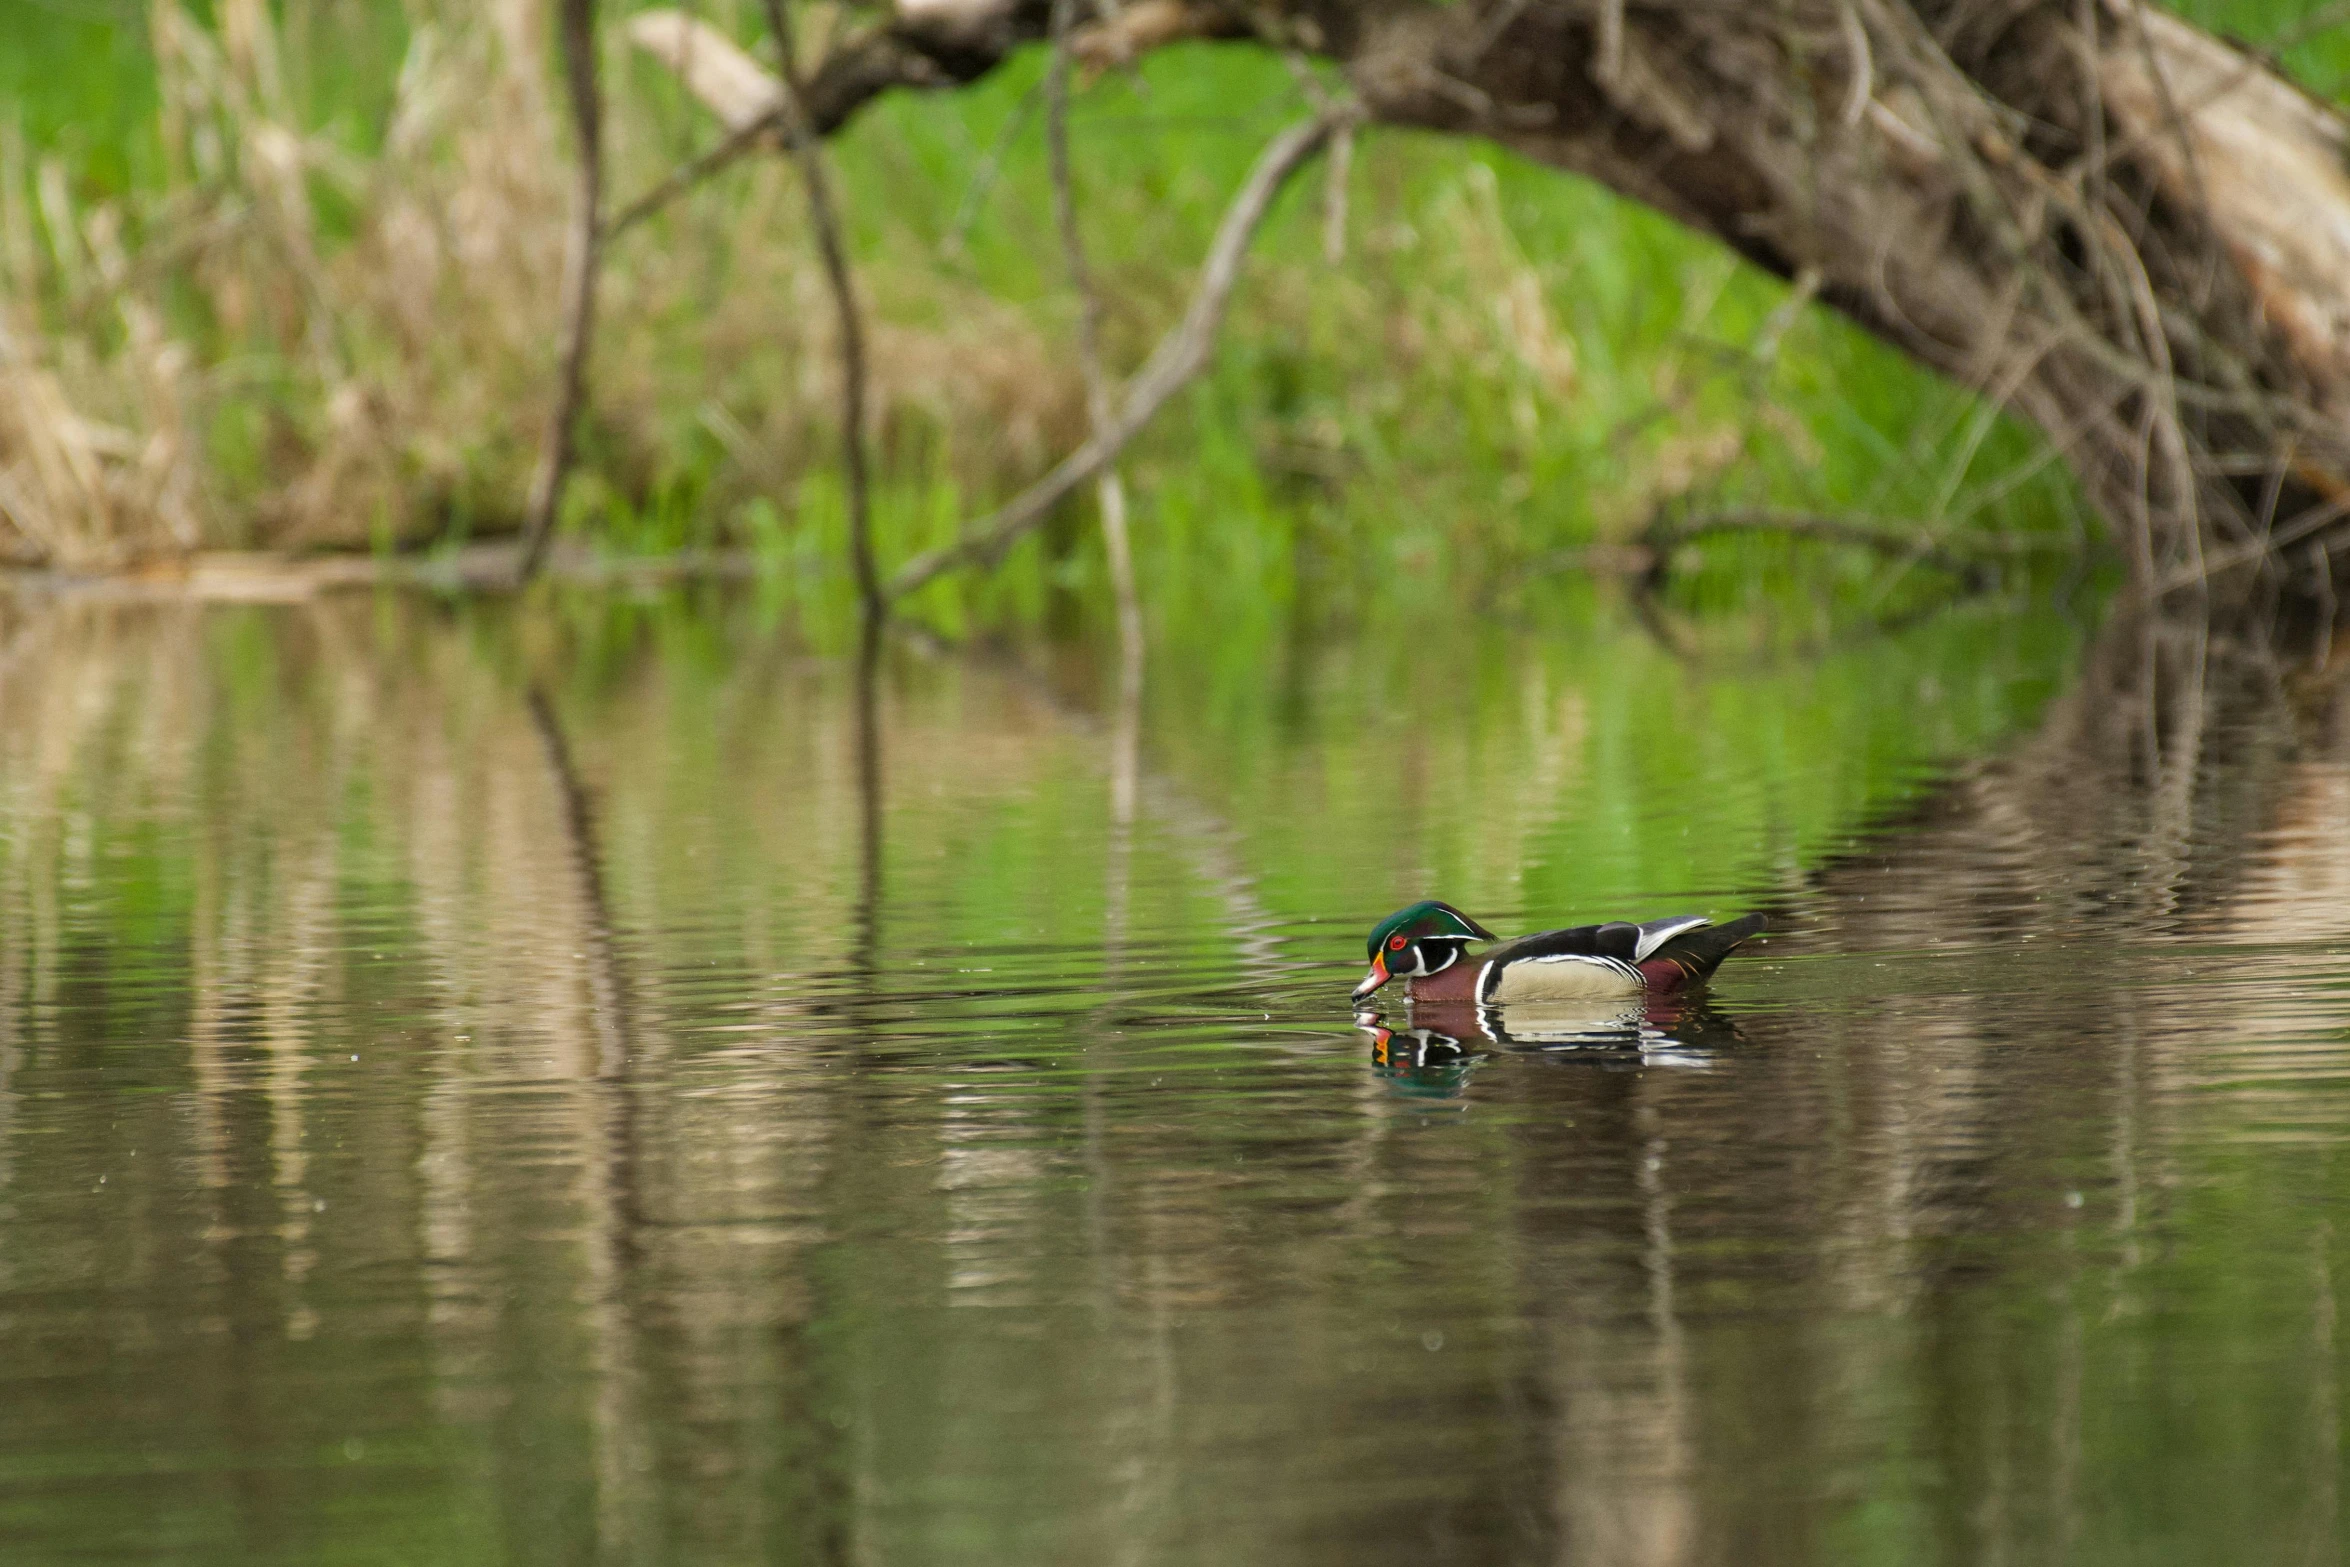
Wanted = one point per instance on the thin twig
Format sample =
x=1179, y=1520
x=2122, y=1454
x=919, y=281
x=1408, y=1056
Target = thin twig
x=1500, y=21
x=1763, y=353
x=1179, y=356
x=2261, y=550
x=2321, y=562
x=1334, y=193
x=582, y=259
x=2171, y=429
x=1607, y=59
x=695, y=170
x=1863, y=85
x=983, y=178
x=2175, y=120
x=1910, y=542
x=1089, y=305
x=1109, y=486
x=808, y=152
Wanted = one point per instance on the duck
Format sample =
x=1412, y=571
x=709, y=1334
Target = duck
x=1427, y=946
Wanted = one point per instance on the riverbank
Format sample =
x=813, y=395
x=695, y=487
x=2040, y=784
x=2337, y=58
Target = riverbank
x=298, y=297
x=280, y=577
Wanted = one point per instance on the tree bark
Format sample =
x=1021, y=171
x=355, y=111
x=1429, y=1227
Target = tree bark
x=2133, y=234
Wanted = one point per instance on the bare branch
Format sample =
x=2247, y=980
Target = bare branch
x=749, y=100
x=808, y=151
x=919, y=50
x=983, y=177
x=2261, y=550
x=582, y=259
x=710, y=66
x=1916, y=543
x=695, y=170
x=1856, y=47
x=1129, y=31
x=1109, y=486
x=1179, y=357
x=1941, y=222
x=1607, y=56
x=1342, y=163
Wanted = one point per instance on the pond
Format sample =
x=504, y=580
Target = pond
x=615, y=1082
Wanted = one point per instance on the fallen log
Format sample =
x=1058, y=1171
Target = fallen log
x=2130, y=232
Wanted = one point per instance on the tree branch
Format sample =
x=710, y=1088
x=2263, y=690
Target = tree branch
x=1896, y=539
x=2166, y=235
x=750, y=101
x=695, y=170
x=808, y=151
x=1179, y=356
x=1109, y=486
x=583, y=257
x=739, y=90
x=2269, y=544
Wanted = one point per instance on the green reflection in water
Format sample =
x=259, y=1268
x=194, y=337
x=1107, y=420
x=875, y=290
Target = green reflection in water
x=434, y=1128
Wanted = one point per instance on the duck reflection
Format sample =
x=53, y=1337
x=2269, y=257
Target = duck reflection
x=1419, y=1063
x=1434, y=1047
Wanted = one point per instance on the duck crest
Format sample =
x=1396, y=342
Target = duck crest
x=1426, y=919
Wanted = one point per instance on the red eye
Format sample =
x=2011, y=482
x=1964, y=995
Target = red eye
x=1395, y=943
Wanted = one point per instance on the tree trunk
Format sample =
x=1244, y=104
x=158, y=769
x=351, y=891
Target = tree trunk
x=2120, y=227
x=2130, y=232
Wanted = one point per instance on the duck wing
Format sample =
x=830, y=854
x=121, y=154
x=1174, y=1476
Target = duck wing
x=1618, y=941
x=1697, y=947
x=1655, y=954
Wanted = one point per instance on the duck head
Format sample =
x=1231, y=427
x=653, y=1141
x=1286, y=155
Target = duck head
x=1426, y=938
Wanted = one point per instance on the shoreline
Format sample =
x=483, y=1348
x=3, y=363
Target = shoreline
x=282, y=577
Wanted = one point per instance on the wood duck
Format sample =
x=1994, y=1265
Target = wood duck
x=1427, y=944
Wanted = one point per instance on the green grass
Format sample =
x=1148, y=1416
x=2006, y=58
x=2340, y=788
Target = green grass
x=1377, y=427
x=2314, y=35
x=1323, y=454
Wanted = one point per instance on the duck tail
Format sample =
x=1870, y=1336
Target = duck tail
x=1700, y=952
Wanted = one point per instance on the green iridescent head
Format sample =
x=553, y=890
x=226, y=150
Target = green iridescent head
x=1426, y=938
x=1426, y=918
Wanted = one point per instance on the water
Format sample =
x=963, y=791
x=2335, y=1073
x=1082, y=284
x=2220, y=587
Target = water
x=584, y=1087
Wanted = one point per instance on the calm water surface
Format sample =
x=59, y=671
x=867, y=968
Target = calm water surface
x=590, y=1086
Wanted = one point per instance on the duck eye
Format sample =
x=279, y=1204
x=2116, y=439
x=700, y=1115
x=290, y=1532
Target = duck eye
x=1395, y=943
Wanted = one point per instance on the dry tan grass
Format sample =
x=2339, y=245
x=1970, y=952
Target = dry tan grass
x=285, y=345
x=220, y=367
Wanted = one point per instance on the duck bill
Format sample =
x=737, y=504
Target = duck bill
x=1373, y=980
